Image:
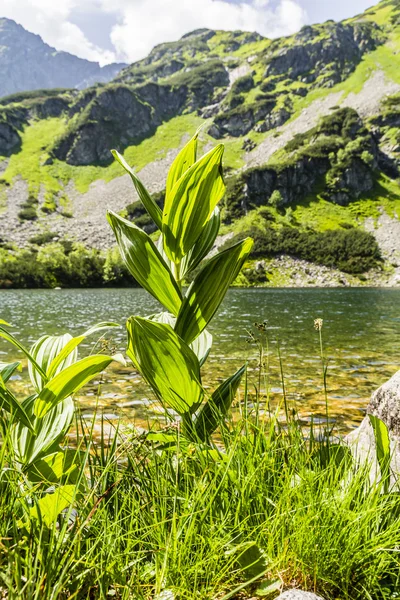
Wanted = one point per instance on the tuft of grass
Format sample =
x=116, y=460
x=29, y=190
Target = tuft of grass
x=264, y=505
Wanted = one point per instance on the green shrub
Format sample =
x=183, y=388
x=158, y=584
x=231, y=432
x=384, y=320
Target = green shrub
x=235, y=100
x=42, y=238
x=64, y=264
x=276, y=199
x=28, y=214
x=196, y=78
x=32, y=94
x=243, y=84
x=351, y=250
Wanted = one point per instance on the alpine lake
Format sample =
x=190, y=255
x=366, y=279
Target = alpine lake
x=360, y=336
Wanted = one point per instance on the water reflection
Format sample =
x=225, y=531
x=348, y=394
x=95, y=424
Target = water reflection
x=361, y=340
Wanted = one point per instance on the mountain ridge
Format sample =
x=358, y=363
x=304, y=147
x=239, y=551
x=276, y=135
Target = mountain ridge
x=28, y=63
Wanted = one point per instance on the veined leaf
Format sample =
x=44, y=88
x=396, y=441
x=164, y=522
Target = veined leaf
x=10, y=404
x=203, y=245
x=150, y=205
x=51, y=505
x=191, y=202
x=383, y=454
x=53, y=467
x=211, y=414
x=69, y=381
x=10, y=338
x=57, y=364
x=8, y=369
x=252, y=560
x=44, y=352
x=185, y=159
x=201, y=346
x=166, y=362
x=208, y=290
x=145, y=262
x=51, y=430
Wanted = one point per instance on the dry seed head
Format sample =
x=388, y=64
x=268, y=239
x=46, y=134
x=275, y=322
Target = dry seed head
x=318, y=324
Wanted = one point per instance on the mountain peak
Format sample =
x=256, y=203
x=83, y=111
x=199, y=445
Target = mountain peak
x=28, y=63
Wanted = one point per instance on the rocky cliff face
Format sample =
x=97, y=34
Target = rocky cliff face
x=27, y=63
x=340, y=156
x=323, y=55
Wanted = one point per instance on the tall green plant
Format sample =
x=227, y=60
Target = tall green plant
x=36, y=426
x=170, y=348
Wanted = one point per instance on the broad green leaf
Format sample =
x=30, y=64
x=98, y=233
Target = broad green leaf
x=69, y=381
x=54, y=467
x=145, y=262
x=44, y=352
x=168, y=441
x=251, y=559
x=203, y=245
x=10, y=404
x=383, y=453
x=148, y=202
x=191, y=202
x=10, y=338
x=201, y=345
x=160, y=247
x=269, y=587
x=214, y=411
x=208, y=290
x=58, y=363
x=8, y=369
x=169, y=366
x=51, y=430
x=185, y=159
x=50, y=506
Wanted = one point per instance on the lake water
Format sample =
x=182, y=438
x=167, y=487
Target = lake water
x=361, y=336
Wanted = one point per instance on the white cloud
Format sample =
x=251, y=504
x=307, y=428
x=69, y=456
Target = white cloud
x=146, y=23
x=142, y=24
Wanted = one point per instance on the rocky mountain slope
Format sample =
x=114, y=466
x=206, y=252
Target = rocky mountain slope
x=311, y=127
x=27, y=63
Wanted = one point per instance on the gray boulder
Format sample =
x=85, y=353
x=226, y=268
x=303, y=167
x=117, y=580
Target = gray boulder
x=384, y=404
x=298, y=595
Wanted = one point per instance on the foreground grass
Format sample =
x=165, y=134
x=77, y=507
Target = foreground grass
x=264, y=509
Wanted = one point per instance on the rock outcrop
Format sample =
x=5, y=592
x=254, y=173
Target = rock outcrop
x=384, y=404
x=340, y=156
x=298, y=595
x=239, y=121
x=324, y=56
x=120, y=115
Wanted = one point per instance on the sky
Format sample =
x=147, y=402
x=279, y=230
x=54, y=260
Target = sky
x=126, y=30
